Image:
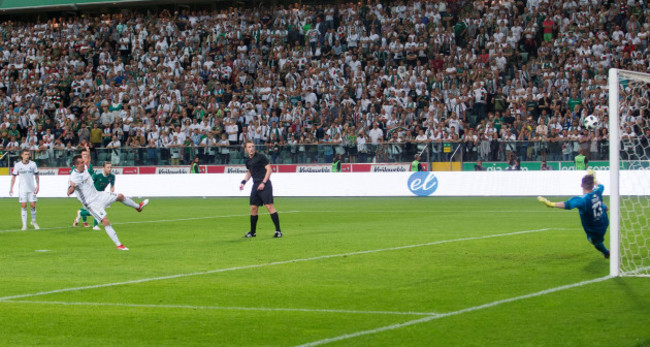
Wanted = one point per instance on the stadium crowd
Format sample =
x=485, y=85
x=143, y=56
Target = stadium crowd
x=371, y=81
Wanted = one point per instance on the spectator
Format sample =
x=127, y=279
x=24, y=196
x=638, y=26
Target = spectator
x=545, y=166
x=479, y=166
x=514, y=164
x=346, y=69
x=95, y=136
x=115, y=146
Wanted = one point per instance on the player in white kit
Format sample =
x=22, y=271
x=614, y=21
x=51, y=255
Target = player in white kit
x=27, y=190
x=81, y=183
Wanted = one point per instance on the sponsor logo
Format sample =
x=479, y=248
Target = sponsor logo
x=313, y=169
x=129, y=170
x=390, y=168
x=236, y=170
x=49, y=172
x=170, y=171
x=422, y=183
x=117, y=171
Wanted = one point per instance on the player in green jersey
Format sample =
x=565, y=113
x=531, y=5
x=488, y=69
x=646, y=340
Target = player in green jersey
x=105, y=178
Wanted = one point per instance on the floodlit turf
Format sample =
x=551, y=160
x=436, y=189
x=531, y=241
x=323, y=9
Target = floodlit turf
x=357, y=272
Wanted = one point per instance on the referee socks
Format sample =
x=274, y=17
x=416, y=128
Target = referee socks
x=276, y=221
x=254, y=223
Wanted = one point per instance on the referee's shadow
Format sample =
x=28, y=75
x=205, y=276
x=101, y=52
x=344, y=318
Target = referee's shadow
x=259, y=237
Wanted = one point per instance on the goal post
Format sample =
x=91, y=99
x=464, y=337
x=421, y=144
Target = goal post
x=629, y=186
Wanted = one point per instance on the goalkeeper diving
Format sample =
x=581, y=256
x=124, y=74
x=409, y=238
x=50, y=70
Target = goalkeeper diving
x=592, y=209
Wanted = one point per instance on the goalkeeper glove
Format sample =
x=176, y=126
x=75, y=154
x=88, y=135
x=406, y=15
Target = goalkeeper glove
x=545, y=201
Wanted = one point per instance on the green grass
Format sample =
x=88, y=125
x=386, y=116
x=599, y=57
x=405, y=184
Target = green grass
x=345, y=266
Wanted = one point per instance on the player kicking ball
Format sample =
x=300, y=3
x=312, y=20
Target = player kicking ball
x=592, y=209
x=101, y=180
x=82, y=213
x=81, y=183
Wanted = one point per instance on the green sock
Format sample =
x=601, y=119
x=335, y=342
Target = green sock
x=84, y=215
x=95, y=222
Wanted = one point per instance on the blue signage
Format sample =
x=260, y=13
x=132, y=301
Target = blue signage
x=422, y=183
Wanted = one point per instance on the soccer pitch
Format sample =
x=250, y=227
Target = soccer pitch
x=348, y=271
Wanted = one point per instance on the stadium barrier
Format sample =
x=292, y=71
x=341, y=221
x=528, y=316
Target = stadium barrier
x=556, y=165
x=490, y=183
x=241, y=169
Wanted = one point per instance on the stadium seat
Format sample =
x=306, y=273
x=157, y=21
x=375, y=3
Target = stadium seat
x=235, y=157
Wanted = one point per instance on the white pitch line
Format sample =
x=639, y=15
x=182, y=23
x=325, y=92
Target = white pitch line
x=454, y=313
x=230, y=308
x=440, y=211
x=145, y=221
x=255, y=266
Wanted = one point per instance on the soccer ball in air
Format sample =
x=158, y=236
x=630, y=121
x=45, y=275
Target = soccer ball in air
x=591, y=122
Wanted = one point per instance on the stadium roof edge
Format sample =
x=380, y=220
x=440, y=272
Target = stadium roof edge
x=41, y=5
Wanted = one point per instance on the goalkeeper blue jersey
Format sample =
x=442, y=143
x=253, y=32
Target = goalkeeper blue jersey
x=593, y=211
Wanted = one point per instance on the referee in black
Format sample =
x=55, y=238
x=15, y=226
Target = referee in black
x=262, y=192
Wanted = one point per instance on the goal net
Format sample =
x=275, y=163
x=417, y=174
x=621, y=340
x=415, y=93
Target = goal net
x=629, y=133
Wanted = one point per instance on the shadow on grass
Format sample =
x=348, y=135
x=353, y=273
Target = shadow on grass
x=631, y=292
x=596, y=266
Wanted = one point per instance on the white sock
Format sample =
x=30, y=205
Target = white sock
x=111, y=233
x=23, y=215
x=130, y=203
x=33, y=215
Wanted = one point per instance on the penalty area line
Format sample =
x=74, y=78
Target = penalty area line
x=256, y=266
x=224, y=308
x=454, y=313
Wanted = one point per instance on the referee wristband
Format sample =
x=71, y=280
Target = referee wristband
x=243, y=181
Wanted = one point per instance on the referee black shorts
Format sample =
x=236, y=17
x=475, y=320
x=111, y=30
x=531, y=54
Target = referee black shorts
x=262, y=197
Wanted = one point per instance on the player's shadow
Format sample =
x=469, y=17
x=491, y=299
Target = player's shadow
x=596, y=267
